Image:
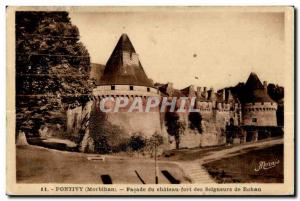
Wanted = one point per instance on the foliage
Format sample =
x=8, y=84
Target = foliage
x=195, y=119
x=137, y=142
x=275, y=92
x=146, y=146
x=51, y=68
x=153, y=143
x=175, y=127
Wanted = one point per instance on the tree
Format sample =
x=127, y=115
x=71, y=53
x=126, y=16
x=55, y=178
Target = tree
x=277, y=94
x=51, y=69
x=137, y=142
x=175, y=127
x=195, y=119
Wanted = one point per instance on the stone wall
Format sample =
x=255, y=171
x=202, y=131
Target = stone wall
x=74, y=119
x=72, y=129
x=189, y=139
x=145, y=123
x=213, y=126
x=76, y=116
x=212, y=135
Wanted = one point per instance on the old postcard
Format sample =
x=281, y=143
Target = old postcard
x=150, y=100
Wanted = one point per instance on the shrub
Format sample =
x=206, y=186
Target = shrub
x=137, y=142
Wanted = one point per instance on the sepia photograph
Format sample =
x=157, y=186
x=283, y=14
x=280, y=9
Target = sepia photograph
x=150, y=100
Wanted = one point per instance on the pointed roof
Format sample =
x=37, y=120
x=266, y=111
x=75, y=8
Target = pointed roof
x=124, y=44
x=253, y=82
x=188, y=91
x=120, y=72
x=254, y=90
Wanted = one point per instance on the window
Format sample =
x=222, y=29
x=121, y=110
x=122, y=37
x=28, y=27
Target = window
x=254, y=120
x=112, y=87
x=148, y=89
x=130, y=88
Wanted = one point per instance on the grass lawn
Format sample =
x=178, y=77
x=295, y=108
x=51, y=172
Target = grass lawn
x=41, y=165
x=241, y=168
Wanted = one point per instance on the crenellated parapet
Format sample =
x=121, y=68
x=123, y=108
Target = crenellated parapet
x=260, y=107
x=125, y=90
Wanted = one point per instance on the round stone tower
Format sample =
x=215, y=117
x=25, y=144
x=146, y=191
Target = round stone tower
x=258, y=109
x=124, y=77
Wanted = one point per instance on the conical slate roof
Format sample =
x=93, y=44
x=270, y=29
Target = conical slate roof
x=253, y=82
x=254, y=90
x=123, y=67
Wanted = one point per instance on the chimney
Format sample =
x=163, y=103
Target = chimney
x=266, y=86
x=205, y=92
x=198, y=92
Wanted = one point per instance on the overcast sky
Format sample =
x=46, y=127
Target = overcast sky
x=220, y=48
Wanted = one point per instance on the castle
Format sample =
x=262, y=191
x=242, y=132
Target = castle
x=226, y=117
x=124, y=76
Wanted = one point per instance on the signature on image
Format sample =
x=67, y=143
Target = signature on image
x=263, y=165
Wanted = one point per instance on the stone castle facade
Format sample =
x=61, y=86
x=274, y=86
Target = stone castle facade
x=221, y=111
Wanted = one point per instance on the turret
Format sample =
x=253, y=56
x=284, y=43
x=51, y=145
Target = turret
x=212, y=94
